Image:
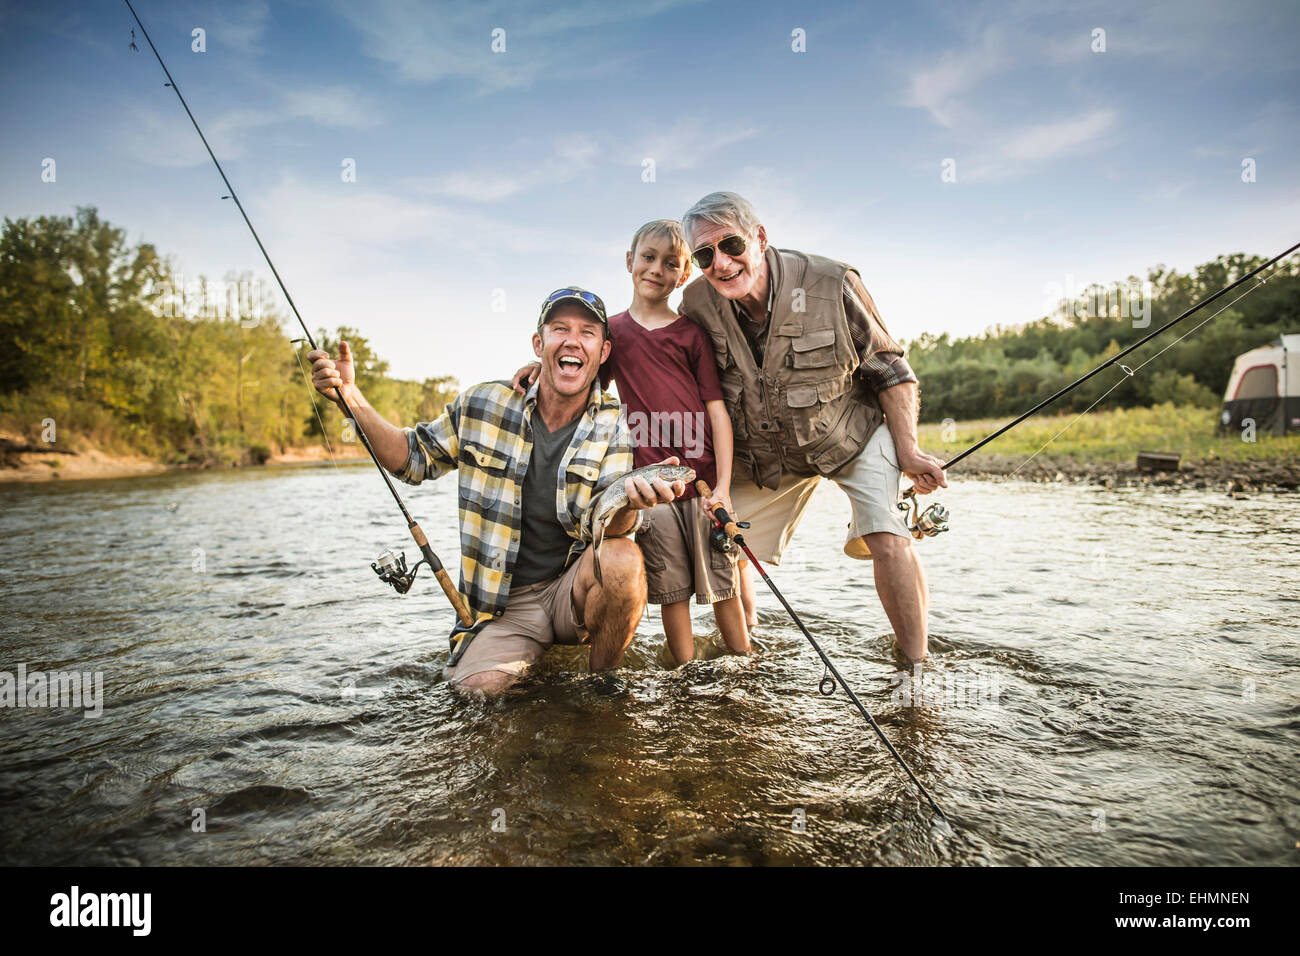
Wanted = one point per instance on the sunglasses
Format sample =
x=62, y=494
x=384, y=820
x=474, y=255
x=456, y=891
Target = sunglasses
x=731, y=245
x=590, y=298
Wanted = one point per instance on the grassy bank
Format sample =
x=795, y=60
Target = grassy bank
x=1103, y=445
x=1114, y=436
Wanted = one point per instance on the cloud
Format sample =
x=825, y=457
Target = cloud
x=424, y=42
x=165, y=138
x=568, y=157
x=1047, y=140
x=339, y=107
x=687, y=144
x=939, y=89
x=237, y=27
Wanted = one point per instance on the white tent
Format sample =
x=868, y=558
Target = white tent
x=1265, y=386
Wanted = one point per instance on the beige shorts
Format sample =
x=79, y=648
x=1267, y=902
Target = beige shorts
x=679, y=560
x=536, y=616
x=871, y=480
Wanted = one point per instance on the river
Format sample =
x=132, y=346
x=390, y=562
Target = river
x=1115, y=680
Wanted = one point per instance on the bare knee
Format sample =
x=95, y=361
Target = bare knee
x=888, y=547
x=485, y=683
x=621, y=561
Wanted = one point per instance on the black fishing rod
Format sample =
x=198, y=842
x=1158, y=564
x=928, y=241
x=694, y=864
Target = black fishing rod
x=1113, y=360
x=733, y=530
x=390, y=568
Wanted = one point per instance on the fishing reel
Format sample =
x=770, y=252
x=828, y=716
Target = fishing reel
x=391, y=568
x=721, y=542
x=928, y=523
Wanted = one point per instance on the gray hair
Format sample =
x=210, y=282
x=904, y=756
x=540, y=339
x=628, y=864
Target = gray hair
x=720, y=209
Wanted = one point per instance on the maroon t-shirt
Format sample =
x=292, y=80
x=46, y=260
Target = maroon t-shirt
x=664, y=378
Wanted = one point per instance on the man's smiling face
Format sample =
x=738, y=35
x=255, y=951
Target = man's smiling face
x=571, y=346
x=733, y=277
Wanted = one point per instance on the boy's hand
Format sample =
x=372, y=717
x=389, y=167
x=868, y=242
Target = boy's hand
x=525, y=377
x=721, y=496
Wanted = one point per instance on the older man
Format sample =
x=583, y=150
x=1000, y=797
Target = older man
x=809, y=374
x=530, y=468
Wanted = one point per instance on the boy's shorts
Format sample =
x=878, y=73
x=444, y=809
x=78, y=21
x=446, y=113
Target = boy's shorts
x=536, y=616
x=871, y=480
x=679, y=560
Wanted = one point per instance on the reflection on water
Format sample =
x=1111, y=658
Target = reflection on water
x=1114, y=681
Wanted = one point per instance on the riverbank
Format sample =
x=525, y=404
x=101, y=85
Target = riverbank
x=1102, y=448
x=25, y=462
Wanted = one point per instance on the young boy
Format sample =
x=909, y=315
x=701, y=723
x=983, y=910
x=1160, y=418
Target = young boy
x=668, y=379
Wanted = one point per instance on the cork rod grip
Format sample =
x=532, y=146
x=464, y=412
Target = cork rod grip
x=449, y=589
x=729, y=527
x=454, y=596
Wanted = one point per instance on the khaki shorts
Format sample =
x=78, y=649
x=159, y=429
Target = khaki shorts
x=536, y=616
x=871, y=480
x=679, y=560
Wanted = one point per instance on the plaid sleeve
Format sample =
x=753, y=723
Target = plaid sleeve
x=432, y=447
x=613, y=467
x=883, y=365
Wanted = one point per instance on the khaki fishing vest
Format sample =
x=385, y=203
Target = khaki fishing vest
x=803, y=412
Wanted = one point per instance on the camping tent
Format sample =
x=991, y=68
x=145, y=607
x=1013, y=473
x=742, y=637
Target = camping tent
x=1265, y=386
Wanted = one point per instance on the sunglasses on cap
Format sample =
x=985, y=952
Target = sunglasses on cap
x=731, y=245
x=582, y=296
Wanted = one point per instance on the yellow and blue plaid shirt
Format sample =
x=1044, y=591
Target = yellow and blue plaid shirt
x=486, y=435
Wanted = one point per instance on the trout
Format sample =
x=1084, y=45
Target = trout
x=614, y=497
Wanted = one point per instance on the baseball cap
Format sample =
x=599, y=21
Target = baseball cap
x=588, y=300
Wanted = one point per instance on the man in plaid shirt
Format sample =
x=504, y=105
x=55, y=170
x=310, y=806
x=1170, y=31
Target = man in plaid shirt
x=530, y=468
x=810, y=375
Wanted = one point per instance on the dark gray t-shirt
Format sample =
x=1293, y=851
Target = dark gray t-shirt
x=543, y=542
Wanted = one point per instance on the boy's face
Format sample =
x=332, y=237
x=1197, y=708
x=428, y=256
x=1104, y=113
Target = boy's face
x=657, y=268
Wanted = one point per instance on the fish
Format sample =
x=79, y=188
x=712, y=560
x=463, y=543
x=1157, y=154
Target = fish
x=614, y=497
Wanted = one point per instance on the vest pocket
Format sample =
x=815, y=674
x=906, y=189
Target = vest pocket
x=813, y=350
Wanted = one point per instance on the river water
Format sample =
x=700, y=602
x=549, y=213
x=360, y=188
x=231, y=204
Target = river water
x=1115, y=680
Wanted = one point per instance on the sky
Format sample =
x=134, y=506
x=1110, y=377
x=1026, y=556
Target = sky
x=485, y=178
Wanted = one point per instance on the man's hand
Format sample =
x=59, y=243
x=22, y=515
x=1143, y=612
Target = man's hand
x=642, y=494
x=926, y=471
x=525, y=377
x=328, y=375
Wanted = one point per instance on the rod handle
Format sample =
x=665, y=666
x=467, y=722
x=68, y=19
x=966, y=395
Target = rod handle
x=454, y=596
x=449, y=589
x=728, y=523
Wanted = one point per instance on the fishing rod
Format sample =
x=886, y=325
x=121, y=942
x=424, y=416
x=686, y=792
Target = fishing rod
x=934, y=520
x=391, y=568
x=734, y=530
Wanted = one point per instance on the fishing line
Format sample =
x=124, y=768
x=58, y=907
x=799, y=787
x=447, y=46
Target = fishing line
x=329, y=449
x=934, y=519
x=734, y=531
x=390, y=568
x=1132, y=372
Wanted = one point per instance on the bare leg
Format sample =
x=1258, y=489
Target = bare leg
x=486, y=683
x=730, y=615
x=747, y=594
x=677, y=628
x=613, y=611
x=901, y=586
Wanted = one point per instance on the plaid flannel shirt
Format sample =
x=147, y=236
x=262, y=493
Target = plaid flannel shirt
x=486, y=435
